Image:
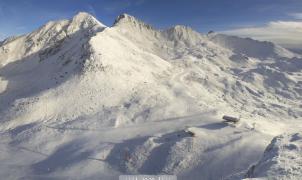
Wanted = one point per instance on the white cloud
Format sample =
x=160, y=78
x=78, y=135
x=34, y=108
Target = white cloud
x=286, y=33
x=296, y=15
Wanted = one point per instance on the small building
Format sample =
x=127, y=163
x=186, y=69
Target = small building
x=230, y=119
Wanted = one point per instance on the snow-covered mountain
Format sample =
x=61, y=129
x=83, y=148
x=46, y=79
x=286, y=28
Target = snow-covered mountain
x=81, y=100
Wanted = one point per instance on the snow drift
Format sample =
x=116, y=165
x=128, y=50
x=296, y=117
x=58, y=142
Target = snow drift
x=281, y=159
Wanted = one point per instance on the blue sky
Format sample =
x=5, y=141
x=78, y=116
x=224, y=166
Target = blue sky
x=22, y=16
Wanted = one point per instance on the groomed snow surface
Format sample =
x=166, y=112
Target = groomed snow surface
x=79, y=100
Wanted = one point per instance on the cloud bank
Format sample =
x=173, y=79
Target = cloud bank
x=285, y=33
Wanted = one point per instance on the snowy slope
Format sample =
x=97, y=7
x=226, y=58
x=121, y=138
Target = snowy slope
x=281, y=159
x=81, y=100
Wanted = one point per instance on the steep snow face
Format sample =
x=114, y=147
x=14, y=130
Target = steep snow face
x=49, y=35
x=183, y=34
x=143, y=35
x=117, y=97
x=168, y=44
x=281, y=159
x=84, y=21
x=130, y=21
x=43, y=60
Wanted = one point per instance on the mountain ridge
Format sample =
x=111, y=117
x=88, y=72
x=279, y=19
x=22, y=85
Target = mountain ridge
x=178, y=42
x=76, y=94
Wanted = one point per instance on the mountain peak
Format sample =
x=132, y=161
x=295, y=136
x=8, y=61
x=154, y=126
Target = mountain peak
x=123, y=16
x=183, y=33
x=82, y=15
x=181, y=29
x=84, y=20
x=126, y=19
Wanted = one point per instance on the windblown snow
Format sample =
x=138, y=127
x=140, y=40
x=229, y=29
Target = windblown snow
x=80, y=100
